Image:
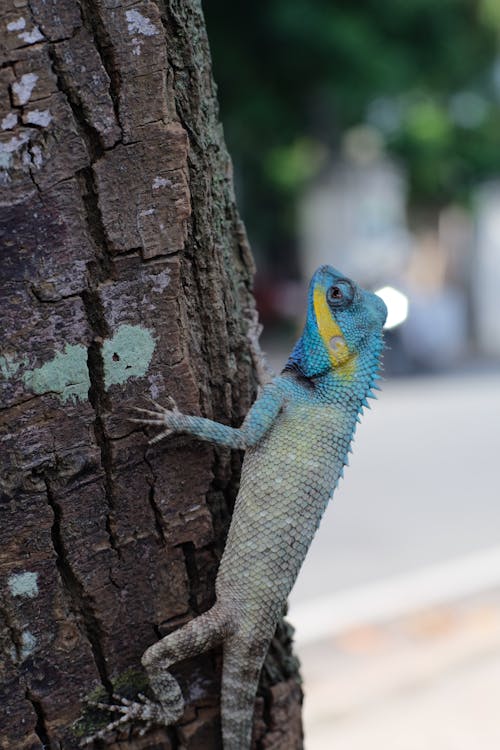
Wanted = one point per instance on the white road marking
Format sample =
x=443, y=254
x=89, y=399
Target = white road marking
x=399, y=595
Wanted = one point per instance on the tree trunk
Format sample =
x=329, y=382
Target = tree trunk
x=126, y=273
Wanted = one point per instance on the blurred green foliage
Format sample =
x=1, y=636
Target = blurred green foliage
x=295, y=75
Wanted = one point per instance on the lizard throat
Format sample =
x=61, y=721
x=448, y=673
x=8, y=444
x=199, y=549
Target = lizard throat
x=342, y=360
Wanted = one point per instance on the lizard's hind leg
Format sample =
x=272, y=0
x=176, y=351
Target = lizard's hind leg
x=198, y=635
x=242, y=664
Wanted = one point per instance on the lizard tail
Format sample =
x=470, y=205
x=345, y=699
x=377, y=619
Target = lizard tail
x=242, y=663
x=199, y=635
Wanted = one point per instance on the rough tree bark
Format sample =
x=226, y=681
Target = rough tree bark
x=125, y=272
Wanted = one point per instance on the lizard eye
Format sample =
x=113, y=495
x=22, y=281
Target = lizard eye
x=340, y=295
x=335, y=292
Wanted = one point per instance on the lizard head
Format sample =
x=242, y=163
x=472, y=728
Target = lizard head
x=343, y=330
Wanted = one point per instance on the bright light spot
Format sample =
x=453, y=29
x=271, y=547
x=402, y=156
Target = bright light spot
x=397, y=306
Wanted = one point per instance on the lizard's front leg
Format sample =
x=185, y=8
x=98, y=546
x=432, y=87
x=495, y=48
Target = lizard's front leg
x=173, y=421
x=258, y=421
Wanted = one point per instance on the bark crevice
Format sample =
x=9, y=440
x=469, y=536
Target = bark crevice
x=99, y=400
x=77, y=597
x=89, y=134
x=189, y=552
x=93, y=22
x=40, y=727
x=12, y=630
x=157, y=514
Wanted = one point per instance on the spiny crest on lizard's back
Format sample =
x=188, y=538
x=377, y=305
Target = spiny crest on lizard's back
x=342, y=334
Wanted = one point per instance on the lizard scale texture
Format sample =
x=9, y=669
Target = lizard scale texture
x=296, y=437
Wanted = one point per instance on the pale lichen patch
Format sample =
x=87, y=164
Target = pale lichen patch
x=17, y=25
x=9, y=365
x=14, y=143
x=40, y=117
x=31, y=37
x=160, y=182
x=161, y=281
x=23, y=584
x=7, y=148
x=139, y=24
x=28, y=644
x=37, y=158
x=127, y=354
x=23, y=88
x=66, y=375
x=9, y=121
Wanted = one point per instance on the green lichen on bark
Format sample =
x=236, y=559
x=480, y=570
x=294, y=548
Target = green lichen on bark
x=127, y=354
x=66, y=375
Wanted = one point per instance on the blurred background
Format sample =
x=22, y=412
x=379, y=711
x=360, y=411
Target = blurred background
x=366, y=135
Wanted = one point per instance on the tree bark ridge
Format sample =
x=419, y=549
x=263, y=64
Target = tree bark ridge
x=126, y=272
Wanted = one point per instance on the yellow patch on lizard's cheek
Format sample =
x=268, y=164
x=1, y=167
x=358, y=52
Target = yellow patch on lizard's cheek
x=333, y=339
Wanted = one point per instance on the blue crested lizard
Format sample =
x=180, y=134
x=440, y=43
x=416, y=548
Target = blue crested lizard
x=296, y=437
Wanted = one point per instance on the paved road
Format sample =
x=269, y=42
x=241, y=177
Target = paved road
x=423, y=485
x=425, y=681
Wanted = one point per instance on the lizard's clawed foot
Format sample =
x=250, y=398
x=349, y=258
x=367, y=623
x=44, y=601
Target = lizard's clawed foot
x=143, y=709
x=159, y=417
